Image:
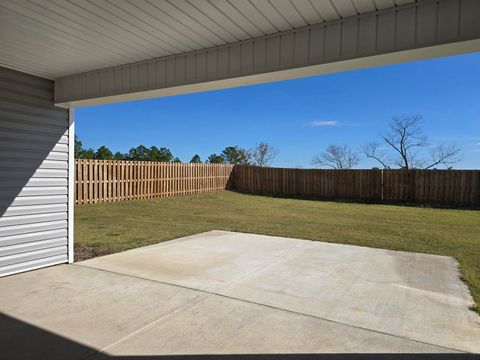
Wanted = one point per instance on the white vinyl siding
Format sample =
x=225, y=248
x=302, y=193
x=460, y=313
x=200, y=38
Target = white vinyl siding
x=33, y=174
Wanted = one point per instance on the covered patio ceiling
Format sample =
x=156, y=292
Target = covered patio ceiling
x=105, y=51
x=57, y=38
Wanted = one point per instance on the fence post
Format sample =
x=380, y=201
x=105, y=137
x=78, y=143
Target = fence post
x=382, y=184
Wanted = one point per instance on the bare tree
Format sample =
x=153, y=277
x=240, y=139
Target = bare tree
x=337, y=157
x=445, y=155
x=405, y=137
x=408, y=147
x=263, y=154
x=373, y=151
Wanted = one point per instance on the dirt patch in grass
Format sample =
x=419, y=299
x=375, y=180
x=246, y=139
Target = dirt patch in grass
x=85, y=252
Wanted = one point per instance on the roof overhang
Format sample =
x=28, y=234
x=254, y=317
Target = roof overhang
x=279, y=75
x=99, y=52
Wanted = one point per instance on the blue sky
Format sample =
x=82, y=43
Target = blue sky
x=302, y=117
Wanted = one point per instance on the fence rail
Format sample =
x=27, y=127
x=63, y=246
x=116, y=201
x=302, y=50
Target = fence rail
x=112, y=180
x=439, y=187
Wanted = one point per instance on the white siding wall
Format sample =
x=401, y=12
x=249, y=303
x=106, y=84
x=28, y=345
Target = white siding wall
x=33, y=174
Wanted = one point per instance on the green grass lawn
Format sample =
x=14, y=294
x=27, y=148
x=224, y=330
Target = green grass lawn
x=113, y=227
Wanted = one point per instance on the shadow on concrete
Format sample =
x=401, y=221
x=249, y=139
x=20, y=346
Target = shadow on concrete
x=20, y=340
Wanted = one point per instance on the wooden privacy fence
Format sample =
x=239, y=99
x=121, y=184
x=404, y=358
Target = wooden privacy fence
x=442, y=187
x=309, y=183
x=112, y=180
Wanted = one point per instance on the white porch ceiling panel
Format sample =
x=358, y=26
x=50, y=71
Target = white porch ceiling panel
x=56, y=38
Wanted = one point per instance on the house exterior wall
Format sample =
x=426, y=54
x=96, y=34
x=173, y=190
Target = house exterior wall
x=376, y=38
x=34, y=161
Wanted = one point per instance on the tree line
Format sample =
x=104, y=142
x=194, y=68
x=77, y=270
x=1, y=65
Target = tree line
x=403, y=146
x=261, y=155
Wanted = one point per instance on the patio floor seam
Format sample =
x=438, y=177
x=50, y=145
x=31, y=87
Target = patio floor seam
x=187, y=306
x=250, y=302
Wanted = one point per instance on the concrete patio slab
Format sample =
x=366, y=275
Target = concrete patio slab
x=69, y=311
x=227, y=293
x=205, y=261
x=219, y=325
x=409, y=295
